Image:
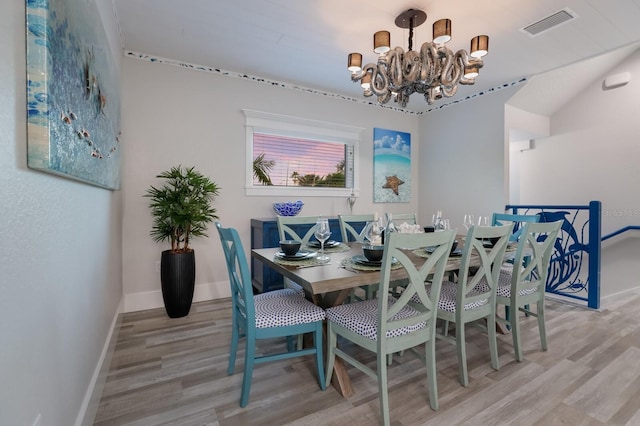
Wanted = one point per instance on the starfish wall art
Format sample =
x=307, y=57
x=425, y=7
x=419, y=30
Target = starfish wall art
x=391, y=166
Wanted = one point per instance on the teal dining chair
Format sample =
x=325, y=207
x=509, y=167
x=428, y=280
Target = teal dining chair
x=287, y=225
x=350, y=234
x=518, y=221
x=279, y=313
x=526, y=284
x=288, y=229
x=391, y=324
x=473, y=296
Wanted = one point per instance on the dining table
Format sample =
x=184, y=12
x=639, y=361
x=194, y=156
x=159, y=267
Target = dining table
x=331, y=283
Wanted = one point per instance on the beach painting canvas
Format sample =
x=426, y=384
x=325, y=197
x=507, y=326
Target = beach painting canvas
x=73, y=95
x=391, y=166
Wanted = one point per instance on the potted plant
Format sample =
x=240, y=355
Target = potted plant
x=181, y=209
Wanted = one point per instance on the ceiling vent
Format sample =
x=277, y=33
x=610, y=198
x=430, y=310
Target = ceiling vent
x=549, y=22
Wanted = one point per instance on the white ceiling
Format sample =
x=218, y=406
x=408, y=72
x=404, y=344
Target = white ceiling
x=547, y=92
x=306, y=42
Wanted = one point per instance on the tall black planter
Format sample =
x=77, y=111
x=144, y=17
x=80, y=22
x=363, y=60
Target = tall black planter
x=178, y=277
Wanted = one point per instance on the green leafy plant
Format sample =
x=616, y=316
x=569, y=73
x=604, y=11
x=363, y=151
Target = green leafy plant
x=261, y=169
x=182, y=207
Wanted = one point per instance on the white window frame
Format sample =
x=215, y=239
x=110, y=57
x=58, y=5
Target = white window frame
x=283, y=125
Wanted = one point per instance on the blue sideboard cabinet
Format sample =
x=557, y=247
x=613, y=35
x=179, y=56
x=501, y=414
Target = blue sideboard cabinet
x=264, y=234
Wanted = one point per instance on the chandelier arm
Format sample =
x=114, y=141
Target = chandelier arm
x=411, y=66
x=468, y=60
x=402, y=99
x=428, y=55
x=383, y=99
x=451, y=70
x=394, y=61
x=379, y=79
x=430, y=96
x=449, y=91
x=357, y=76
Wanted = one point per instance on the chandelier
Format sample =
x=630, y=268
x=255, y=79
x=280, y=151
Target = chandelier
x=434, y=71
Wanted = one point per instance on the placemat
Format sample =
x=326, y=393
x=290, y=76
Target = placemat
x=348, y=263
x=312, y=261
x=421, y=252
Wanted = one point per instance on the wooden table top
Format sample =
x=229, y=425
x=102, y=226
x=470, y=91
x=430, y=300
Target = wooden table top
x=332, y=276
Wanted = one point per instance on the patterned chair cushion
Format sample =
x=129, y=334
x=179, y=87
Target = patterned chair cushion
x=285, y=307
x=448, y=295
x=504, y=285
x=506, y=267
x=362, y=318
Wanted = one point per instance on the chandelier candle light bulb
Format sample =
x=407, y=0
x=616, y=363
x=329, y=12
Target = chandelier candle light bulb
x=434, y=71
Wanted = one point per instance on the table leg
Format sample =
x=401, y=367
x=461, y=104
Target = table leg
x=340, y=379
x=335, y=298
x=502, y=328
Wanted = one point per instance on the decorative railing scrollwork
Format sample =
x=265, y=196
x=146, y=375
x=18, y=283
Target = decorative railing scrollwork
x=575, y=264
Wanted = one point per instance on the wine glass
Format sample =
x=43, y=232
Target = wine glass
x=469, y=221
x=437, y=220
x=371, y=232
x=483, y=221
x=390, y=225
x=322, y=233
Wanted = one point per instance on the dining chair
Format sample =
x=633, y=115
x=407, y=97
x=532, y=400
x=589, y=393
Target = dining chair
x=398, y=218
x=286, y=225
x=278, y=313
x=391, y=324
x=526, y=284
x=518, y=221
x=347, y=231
x=286, y=231
x=350, y=234
x=473, y=297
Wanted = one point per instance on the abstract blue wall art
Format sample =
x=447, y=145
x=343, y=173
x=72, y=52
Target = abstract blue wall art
x=73, y=93
x=391, y=166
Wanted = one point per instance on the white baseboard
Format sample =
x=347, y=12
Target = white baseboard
x=153, y=299
x=89, y=409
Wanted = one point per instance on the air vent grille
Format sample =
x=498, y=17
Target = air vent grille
x=551, y=21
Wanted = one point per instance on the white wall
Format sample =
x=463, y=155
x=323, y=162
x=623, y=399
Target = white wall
x=174, y=116
x=60, y=269
x=523, y=127
x=592, y=151
x=592, y=154
x=462, y=159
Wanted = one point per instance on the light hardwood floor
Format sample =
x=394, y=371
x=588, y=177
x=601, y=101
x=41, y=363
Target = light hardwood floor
x=173, y=372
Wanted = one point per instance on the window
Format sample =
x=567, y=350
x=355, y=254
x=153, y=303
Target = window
x=294, y=156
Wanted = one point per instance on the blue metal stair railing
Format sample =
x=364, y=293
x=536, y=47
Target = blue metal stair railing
x=574, y=270
x=620, y=231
